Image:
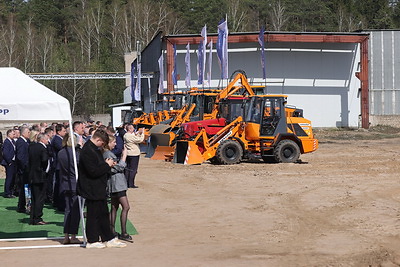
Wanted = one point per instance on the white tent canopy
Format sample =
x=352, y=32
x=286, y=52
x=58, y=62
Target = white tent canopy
x=24, y=99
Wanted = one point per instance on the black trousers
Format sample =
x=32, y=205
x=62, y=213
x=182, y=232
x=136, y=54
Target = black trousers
x=38, y=192
x=132, y=163
x=58, y=198
x=71, y=214
x=22, y=179
x=50, y=184
x=10, y=178
x=97, y=221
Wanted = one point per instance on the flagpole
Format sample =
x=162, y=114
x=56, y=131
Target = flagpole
x=227, y=37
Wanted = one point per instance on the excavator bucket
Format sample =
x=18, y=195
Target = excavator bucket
x=161, y=144
x=187, y=152
x=161, y=152
x=157, y=137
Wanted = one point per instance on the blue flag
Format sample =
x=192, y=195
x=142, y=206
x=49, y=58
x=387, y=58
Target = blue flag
x=261, y=42
x=200, y=65
x=175, y=70
x=187, y=64
x=222, y=48
x=201, y=55
x=133, y=80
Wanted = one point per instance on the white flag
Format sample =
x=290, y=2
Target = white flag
x=138, y=89
x=161, y=68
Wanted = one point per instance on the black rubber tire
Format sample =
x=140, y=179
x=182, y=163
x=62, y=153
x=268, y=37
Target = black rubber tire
x=229, y=152
x=287, y=151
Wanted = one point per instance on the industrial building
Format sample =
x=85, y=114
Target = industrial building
x=339, y=79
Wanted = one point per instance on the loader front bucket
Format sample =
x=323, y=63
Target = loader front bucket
x=187, y=152
x=157, y=137
x=159, y=143
x=161, y=151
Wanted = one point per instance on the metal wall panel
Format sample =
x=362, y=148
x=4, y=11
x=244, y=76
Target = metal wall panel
x=384, y=58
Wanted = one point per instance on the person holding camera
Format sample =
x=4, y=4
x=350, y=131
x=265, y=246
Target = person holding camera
x=132, y=140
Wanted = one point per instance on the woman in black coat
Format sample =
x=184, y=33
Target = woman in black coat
x=68, y=190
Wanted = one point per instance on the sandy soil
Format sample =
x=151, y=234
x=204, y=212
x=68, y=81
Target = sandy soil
x=340, y=207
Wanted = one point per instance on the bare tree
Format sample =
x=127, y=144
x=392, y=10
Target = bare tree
x=126, y=36
x=115, y=14
x=97, y=18
x=84, y=29
x=28, y=42
x=237, y=16
x=45, y=47
x=341, y=15
x=75, y=93
x=278, y=15
x=9, y=41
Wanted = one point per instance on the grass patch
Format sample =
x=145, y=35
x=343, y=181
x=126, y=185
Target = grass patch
x=16, y=225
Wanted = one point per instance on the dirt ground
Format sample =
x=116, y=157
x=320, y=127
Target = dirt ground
x=339, y=207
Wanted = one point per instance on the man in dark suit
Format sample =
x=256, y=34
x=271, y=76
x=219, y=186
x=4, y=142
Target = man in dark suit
x=58, y=200
x=39, y=165
x=22, y=157
x=9, y=163
x=1, y=146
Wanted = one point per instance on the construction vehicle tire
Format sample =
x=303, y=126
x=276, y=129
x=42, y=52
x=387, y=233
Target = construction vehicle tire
x=287, y=151
x=229, y=152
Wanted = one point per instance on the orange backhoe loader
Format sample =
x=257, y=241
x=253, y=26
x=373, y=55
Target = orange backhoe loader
x=263, y=127
x=203, y=106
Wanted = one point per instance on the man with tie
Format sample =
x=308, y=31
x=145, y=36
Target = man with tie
x=22, y=157
x=39, y=166
x=9, y=163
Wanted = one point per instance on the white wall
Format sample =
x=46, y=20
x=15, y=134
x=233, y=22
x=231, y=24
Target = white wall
x=317, y=77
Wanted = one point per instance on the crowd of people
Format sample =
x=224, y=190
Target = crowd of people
x=40, y=168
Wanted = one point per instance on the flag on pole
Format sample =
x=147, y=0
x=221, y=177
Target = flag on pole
x=222, y=48
x=139, y=82
x=200, y=56
x=201, y=65
x=161, y=68
x=133, y=80
x=175, y=70
x=204, y=35
x=187, y=64
x=261, y=42
x=210, y=45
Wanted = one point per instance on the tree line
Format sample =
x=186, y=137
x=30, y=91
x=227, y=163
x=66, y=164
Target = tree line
x=48, y=36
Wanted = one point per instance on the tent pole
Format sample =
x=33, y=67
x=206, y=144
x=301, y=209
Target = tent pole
x=81, y=201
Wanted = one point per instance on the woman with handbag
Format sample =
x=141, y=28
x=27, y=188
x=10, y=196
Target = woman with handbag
x=117, y=186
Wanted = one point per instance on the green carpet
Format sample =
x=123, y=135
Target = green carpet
x=16, y=225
